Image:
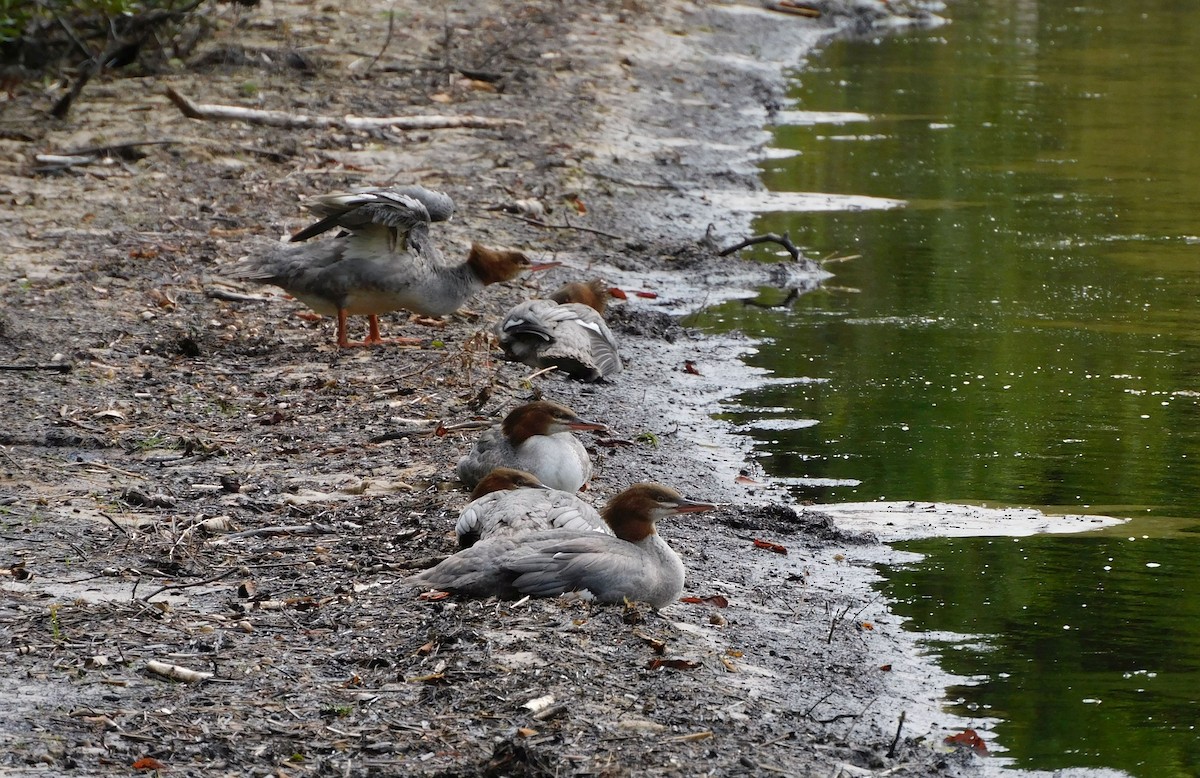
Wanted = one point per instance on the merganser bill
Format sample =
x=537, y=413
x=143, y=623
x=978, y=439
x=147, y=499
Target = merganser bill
x=508, y=502
x=565, y=331
x=535, y=437
x=636, y=564
x=386, y=261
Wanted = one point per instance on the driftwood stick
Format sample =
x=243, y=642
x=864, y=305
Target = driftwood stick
x=57, y=368
x=177, y=673
x=793, y=9
x=770, y=237
x=213, y=112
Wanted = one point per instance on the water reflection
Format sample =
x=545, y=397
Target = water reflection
x=1090, y=644
x=1024, y=331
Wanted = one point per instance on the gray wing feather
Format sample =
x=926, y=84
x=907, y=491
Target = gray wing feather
x=608, y=568
x=492, y=450
x=526, y=510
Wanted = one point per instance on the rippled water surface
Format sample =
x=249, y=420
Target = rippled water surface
x=1025, y=330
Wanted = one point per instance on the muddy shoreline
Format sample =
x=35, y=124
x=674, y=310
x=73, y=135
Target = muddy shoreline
x=143, y=489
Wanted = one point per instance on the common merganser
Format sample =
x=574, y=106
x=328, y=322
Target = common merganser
x=592, y=293
x=386, y=261
x=535, y=437
x=509, y=501
x=636, y=564
x=565, y=331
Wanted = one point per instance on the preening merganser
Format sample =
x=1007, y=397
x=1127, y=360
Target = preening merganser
x=636, y=564
x=508, y=501
x=565, y=331
x=592, y=293
x=535, y=437
x=386, y=261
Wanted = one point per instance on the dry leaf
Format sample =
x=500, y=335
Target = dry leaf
x=148, y=763
x=970, y=739
x=769, y=546
x=674, y=664
x=717, y=600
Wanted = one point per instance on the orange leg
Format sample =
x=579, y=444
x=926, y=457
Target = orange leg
x=373, y=337
x=343, y=339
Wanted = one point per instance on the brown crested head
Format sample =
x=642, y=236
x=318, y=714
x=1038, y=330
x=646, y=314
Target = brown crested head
x=632, y=513
x=590, y=293
x=542, y=418
x=494, y=266
x=506, y=479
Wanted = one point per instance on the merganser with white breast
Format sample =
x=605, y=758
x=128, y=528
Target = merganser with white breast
x=636, y=564
x=566, y=331
x=508, y=502
x=535, y=437
x=385, y=262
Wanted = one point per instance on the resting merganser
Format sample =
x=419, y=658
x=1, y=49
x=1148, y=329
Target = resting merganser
x=386, y=261
x=636, y=564
x=508, y=501
x=535, y=437
x=565, y=331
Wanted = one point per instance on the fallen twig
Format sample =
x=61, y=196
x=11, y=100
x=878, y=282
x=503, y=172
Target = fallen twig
x=566, y=226
x=57, y=368
x=177, y=673
x=793, y=9
x=294, y=529
x=770, y=237
x=168, y=587
x=891, y=752
x=386, y=41
x=213, y=112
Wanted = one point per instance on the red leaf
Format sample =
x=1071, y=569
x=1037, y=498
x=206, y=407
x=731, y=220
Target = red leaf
x=148, y=763
x=886, y=668
x=433, y=596
x=617, y=293
x=969, y=738
x=689, y=366
x=716, y=600
x=745, y=479
x=647, y=295
x=769, y=546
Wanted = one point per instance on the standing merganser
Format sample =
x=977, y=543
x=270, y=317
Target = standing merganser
x=508, y=502
x=636, y=564
x=386, y=261
x=535, y=437
x=565, y=331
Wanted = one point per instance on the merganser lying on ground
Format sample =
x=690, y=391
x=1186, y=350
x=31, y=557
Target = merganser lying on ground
x=386, y=261
x=508, y=501
x=535, y=437
x=566, y=331
x=636, y=564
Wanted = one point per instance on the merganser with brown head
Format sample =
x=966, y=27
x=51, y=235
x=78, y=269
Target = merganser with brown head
x=535, y=437
x=636, y=564
x=566, y=331
x=385, y=261
x=509, y=502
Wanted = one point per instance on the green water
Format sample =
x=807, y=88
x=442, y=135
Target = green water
x=1025, y=331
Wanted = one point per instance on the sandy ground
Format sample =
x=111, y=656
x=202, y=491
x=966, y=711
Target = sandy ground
x=145, y=492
